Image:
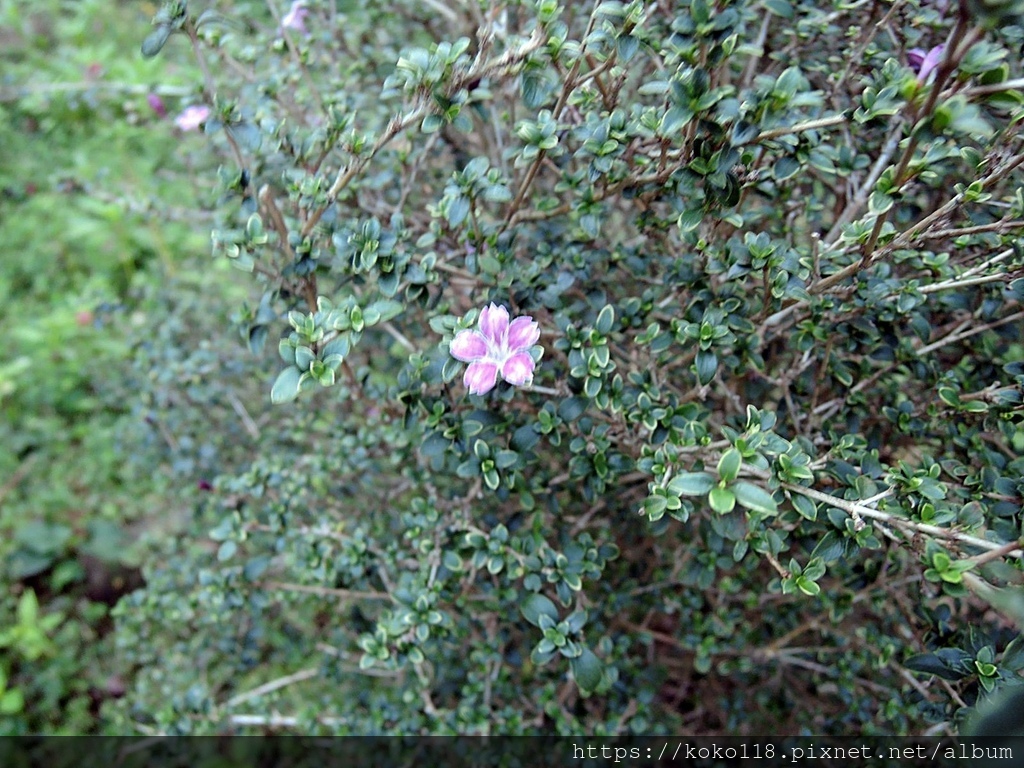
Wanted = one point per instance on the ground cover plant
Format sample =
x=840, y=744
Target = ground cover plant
x=86, y=165
x=640, y=366
x=636, y=368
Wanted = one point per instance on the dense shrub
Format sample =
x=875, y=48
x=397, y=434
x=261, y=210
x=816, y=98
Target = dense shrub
x=765, y=446
x=84, y=161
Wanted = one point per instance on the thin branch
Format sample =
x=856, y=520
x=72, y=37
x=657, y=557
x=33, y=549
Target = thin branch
x=247, y=421
x=994, y=554
x=348, y=594
x=1002, y=227
x=758, y=46
x=19, y=92
x=853, y=208
x=297, y=57
x=946, y=285
x=900, y=241
x=398, y=336
x=981, y=90
x=960, y=335
x=273, y=685
x=856, y=508
x=810, y=125
x=282, y=721
x=571, y=84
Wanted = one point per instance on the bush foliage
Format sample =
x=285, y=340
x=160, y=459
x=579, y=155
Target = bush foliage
x=86, y=165
x=769, y=458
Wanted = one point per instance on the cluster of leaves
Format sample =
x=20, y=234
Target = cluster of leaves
x=777, y=427
x=86, y=162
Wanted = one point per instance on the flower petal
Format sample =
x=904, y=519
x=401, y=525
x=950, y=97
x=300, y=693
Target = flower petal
x=931, y=61
x=522, y=334
x=494, y=323
x=914, y=58
x=518, y=369
x=296, y=17
x=157, y=105
x=192, y=117
x=481, y=377
x=468, y=346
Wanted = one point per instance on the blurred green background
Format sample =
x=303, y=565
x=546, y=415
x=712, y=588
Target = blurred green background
x=103, y=254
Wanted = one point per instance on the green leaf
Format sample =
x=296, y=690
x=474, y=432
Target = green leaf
x=788, y=82
x=536, y=605
x=339, y=346
x=627, y=47
x=497, y=193
x=605, y=320
x=729, y=465
x=785, y=168
x=707, y=364
x=247, y=134
x=879, y=203
x=256, y=567
x=722, y=500
x=458, y=210
x=12, y=702
x=692, y=484
x=1013, y=655
x=467, y=469
x=744, y=133
x=385, y=309
x=303, y=357
x=807, y=586
x=931, y=664
x=755, y=498
x=540, y=657
x=587, y=670
x=453, y=562
x=28, y=608
x=505, y=459
x=655, y=506
x=44, y=538
x=156, y=40
x=830, y=548
x=815, y=569
x=286, y=387
x=780, y=8
x=572, y=409
x=431, y=124
x=689, y=220
x=576, y=620
x=805, y=506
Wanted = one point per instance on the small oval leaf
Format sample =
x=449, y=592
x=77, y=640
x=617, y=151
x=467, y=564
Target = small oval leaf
x=587, y=670
x=536, y=605
x=755, y=498
x=155, y=41
x=691, y=484
x=286, y=387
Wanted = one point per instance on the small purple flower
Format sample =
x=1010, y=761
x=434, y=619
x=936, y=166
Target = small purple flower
x=296, y=17
x=499, y=346
x=157, y=105
x=192, y=117
x=924, y=63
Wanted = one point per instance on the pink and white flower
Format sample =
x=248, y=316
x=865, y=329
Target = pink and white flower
x=296, y=17
x=192, y=117
x=497, y=347
x=157, y=105
x=924, y=62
